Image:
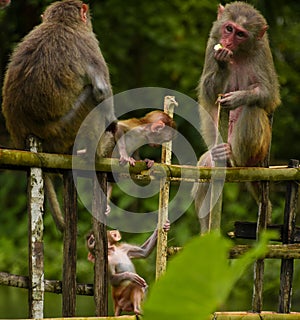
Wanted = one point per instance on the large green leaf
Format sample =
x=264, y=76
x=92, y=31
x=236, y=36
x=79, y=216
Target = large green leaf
x=198, y=280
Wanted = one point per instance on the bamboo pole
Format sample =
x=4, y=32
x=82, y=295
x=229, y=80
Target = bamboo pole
x=216, y=190
x=166, y=156
x=21, y=160
x=264, y=217
x=70, y=247
x=101, y=245
x=274, y=251
x=254, y=316
x=288, y=232
x=35, y=187
x=53, y=286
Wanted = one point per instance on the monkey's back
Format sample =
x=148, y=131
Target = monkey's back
x=45, y=76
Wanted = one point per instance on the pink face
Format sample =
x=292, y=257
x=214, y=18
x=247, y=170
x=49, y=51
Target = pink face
x=4, y=3
x=233, y=35
x=114, y=236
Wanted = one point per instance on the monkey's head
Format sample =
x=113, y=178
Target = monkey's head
x=68, y=12
x=4, y=3
x=160, y=127
x=239, y=27
x=113, y=236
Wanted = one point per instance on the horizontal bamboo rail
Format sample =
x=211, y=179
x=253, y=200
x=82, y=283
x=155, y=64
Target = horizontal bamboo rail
x=274, y=251
x=53, y=286
x=96, y=318
x=16, y=159
x=255, y=316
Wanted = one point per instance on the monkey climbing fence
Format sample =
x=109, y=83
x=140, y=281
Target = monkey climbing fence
x=35, y=163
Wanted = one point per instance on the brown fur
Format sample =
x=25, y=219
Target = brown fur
x=128, y=298
x=250, y=75
x=254, y=65
x=55, y=77
x=51, y=81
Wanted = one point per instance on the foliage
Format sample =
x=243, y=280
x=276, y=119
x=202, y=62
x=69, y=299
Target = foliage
x=158, y=43
x=204, y=285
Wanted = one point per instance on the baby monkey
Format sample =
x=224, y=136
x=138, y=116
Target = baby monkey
x=155, y=128
x=128, y=288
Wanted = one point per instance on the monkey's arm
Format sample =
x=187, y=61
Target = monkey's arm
x=146, y=248
x=215, y=74
x=121, y=143
x=117, y=278
x=255, y=95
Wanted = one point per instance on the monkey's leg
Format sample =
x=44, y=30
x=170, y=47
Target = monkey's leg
x=205, y=200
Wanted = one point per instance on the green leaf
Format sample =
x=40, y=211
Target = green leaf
x=198, y=279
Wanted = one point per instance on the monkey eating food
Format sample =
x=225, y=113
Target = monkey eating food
x=239, y=74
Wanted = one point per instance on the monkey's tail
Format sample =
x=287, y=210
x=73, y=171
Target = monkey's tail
x=54, y=204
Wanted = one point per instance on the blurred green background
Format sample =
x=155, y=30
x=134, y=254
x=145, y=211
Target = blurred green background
x=153, y=44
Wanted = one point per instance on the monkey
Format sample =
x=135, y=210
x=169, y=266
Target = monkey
x=4, y=3
x=55, y=77
x=128, y=288
x=155, y=128
x=238, y=74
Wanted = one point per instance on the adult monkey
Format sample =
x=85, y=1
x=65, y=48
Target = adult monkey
x=56, y=76
x=239, y=74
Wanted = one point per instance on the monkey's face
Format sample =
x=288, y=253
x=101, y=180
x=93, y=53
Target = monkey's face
x=157, y=138
x=4, y=3
x=113, y=236
x=233, y=36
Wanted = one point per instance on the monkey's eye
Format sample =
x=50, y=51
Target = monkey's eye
x=241, y=34
x=229, y=28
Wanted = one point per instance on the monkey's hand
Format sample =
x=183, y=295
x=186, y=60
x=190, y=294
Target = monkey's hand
x=166, y=226
x=223, y=55
x=221, y=152
x=116, y=279
x=126, y=159
x=149, y=163
x=235, y=99
x=138, y=280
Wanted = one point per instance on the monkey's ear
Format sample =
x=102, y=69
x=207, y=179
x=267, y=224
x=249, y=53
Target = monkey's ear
x=83, y=12
x=157, y=126
x=220, y=11
x=262, y=32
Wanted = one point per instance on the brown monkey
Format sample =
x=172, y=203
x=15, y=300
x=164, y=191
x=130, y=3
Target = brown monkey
x=239, y=74
x=4, y=3
x=155, y=128
x=128, y=288
x=55, y=77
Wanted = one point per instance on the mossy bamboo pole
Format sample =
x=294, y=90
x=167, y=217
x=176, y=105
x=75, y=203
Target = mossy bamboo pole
x=274, y=251
x=52, y=286
x=254, y=316
x=21, y=160
x=35, y=187
x=166, y=156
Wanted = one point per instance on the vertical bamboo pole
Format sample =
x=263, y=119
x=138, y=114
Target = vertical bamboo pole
x=35, y=189
x=288, y=232
x=166, y=155
x=101, y=245
x=70, y=247
x=264, y=217
x=216, y=194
